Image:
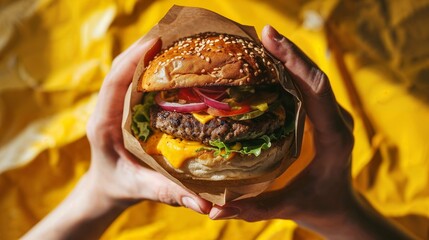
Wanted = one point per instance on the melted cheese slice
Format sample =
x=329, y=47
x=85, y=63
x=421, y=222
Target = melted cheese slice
x=175, y=150
x=150, y=145
x=202, y=118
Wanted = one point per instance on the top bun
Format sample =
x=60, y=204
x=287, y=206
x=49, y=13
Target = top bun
x=209, y=59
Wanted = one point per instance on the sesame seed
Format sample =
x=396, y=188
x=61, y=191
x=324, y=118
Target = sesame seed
x=207, y=59
x=203, y=70
x=202, y=57
x=241, y=71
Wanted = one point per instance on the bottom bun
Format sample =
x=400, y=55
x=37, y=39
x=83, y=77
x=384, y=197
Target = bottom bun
x=207, y=167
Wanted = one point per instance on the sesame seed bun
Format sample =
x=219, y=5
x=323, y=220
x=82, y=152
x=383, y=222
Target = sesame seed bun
x=209, y=59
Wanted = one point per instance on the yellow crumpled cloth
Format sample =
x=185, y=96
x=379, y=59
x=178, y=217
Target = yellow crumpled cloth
x=55, y=54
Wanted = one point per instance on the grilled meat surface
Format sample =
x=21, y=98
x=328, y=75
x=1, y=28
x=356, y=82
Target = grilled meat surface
x=185, y=126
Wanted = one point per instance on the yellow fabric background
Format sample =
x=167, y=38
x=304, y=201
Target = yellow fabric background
x=54, y=55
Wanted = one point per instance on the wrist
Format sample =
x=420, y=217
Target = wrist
x=355, y=219
x=84, y=214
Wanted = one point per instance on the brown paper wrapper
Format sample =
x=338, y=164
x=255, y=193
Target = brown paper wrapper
x=181, y=22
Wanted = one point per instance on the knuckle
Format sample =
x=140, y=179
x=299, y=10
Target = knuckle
x=116, y=60
x=290, y=51
x=90, y=129
x=99, y=136
x=320, y=83
x=165, y=195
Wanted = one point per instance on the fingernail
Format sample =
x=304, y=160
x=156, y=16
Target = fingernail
x=224, y=213
x=276, y=36
x=190, y=203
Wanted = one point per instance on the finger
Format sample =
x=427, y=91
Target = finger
x=120, y=57
x=319, y=100
x=113, y=90
x=163, y=190
x=252, y=209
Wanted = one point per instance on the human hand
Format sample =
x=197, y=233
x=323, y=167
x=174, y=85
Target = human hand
x=321, y=197
x=115, y=180
x=120, y=178
x=310, y=194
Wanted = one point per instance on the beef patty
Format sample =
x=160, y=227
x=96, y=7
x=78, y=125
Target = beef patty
x=185, y=126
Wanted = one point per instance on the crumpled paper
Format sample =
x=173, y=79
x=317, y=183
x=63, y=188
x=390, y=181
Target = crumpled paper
x=181, y=22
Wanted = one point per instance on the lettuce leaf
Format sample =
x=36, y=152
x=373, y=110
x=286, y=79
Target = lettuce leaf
x=140, y=122
x=249, y=147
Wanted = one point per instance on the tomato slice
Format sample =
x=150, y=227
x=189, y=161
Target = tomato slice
x=188, y=95
x=233, y=112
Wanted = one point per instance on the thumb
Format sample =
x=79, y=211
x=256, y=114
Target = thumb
x=318, y=97
x=162, y=189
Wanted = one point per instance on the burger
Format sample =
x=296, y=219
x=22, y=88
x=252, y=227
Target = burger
x=213, y=108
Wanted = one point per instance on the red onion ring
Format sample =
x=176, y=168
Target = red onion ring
x=177, y=107
x=213, y=102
